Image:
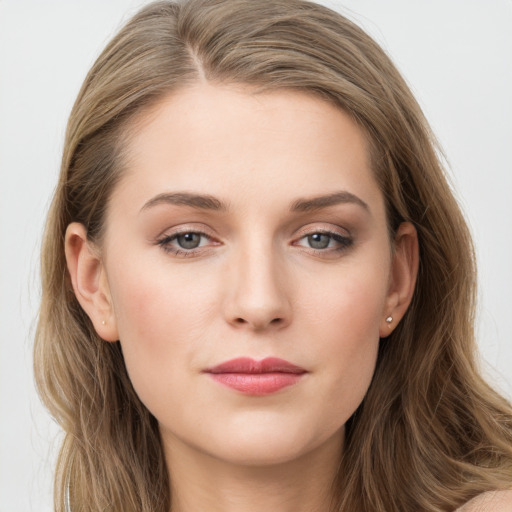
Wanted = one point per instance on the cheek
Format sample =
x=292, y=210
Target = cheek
x=161, y=317
x=153, y=302
x=349, y=304
x=344, y=321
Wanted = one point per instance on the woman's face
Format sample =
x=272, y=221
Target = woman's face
x=249, y=226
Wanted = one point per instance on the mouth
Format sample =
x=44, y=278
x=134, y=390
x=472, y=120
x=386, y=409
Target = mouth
x=256, y=378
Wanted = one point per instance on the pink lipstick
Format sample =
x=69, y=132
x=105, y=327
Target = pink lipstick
x=256, y=377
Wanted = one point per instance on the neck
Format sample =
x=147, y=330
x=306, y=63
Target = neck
x=203, y=482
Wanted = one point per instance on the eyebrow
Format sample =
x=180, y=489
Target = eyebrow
x=320, y=202
x=199, y=201
x=208, y=202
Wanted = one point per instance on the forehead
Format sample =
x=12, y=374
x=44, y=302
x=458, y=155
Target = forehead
x=236, y=144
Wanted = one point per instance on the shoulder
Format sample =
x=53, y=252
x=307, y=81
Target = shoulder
x=495, y=501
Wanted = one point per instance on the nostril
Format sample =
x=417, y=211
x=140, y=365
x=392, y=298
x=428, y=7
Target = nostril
x=241, y=320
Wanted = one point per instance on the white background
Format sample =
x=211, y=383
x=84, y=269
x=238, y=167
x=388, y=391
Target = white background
x=455, y=54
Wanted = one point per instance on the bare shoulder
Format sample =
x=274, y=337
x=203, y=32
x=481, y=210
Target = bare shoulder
x=496, y=501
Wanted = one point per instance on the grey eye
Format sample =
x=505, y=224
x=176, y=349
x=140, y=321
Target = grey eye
x=189, y=240
x=319, y=241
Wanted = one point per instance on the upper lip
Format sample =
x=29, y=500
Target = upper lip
x=252, y=366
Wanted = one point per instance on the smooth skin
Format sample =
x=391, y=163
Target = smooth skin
x=494, y=501
x=247, y=225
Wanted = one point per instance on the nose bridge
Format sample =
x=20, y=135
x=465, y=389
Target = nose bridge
x=258, y=295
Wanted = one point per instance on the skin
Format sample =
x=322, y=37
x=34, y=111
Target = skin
x=494, y=501
x=258, y=285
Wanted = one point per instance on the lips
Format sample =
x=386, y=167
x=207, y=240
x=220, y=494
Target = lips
x=256, y=378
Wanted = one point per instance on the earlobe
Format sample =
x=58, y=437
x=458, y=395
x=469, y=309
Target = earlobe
x=404, y=270
x=89, y=281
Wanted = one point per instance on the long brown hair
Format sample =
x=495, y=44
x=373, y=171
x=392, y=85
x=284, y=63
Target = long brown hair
x=430, y=434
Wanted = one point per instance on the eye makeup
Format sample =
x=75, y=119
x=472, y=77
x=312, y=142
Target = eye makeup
x=194, y=243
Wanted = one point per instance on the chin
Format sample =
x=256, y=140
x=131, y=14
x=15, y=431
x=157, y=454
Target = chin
x=269, y=442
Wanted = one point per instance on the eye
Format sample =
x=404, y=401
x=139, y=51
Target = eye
x=188, y=240
x=325, y=241
x=185, y=243
x=319, y=240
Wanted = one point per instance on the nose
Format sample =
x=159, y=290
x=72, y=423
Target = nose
x=257, y=297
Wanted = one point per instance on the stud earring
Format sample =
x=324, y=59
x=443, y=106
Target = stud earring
x=389, y=319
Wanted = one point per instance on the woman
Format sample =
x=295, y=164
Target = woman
x=258, y=290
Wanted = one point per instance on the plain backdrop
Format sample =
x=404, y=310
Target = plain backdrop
x=455, y=54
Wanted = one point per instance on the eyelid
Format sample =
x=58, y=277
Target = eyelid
x=185, y=228
x=343, y=240
x=341, y=237
x=170, y=234
x=328, y=229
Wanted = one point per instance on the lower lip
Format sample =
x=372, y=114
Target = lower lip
x=257, y=384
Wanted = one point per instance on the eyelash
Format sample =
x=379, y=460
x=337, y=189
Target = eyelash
x=166, y=241
x=344, y=243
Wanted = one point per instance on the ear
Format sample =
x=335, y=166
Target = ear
x=404, y=270
x=89, y=281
